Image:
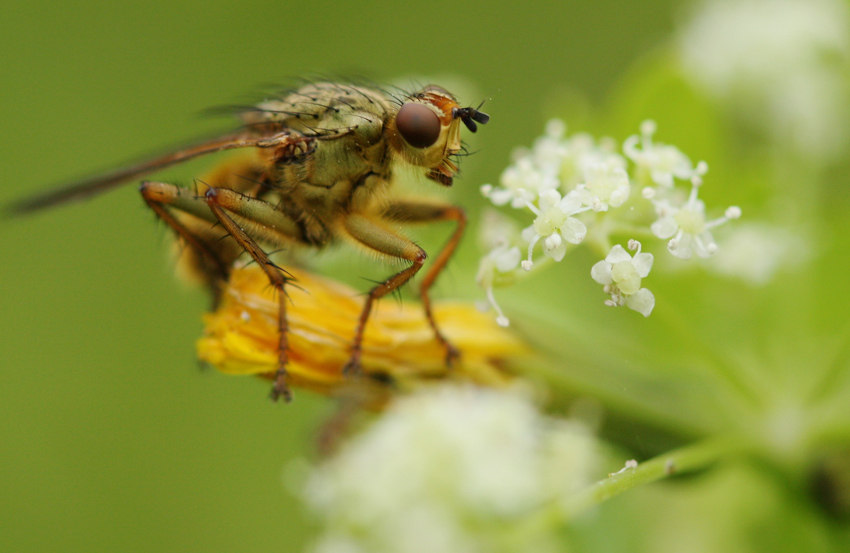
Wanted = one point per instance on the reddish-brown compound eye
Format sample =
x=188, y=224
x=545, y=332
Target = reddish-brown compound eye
x=418, y=125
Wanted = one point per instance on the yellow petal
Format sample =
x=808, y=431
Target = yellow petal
x=241, y=335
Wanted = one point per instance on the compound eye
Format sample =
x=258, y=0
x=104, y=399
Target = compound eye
x=418, y=125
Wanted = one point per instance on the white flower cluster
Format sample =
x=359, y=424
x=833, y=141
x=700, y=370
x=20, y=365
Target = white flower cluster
x=452, y=469
x=576, y=187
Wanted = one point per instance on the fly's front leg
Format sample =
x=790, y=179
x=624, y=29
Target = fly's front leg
x=422, y=212
x=267, y=224
x=382, y=240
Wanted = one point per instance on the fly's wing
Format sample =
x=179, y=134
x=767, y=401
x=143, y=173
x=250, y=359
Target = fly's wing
x=101, y=183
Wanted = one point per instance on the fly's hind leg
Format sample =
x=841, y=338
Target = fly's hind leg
x=410, y=211
x=212, y=260
x=251, y=220
x=247, y=220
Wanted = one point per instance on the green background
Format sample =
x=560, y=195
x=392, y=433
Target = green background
x=110, y=437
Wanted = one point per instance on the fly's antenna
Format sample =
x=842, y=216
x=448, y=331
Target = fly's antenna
x=470, y=116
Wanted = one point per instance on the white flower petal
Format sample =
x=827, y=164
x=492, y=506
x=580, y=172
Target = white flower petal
x=508, y=260
x=555, y=128
x=501, y=196
x=571, y=203
x=643, y=263
x=601, y=273
x=558, y=252
x=573, y=230
x=664, y=227
x=549, y=199
x=681, y=248
x=618, y=254
x=619, y=196
x=662, y=178
x=521, y=199
x=643, y=301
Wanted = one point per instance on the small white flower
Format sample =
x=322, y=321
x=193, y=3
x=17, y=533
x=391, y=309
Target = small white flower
x=552, y=163
x=606, y=184
x=533, y=172
x=582, y=152
x=549, y=150
x=501, y=260
x=498, y=234
x=687, y=225
x=621, y=275
x=661, y=162
x=496, y=229
x=555, y=224
x=521, y=182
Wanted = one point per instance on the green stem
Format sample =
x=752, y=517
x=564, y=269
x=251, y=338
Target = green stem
x=687, y=459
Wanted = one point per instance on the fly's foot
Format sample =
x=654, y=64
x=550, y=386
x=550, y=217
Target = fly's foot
x=280, y=388
x=452, y=355
x=353, y=368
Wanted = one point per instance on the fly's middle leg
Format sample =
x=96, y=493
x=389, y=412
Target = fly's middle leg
x=423, y=212
x=373, y=235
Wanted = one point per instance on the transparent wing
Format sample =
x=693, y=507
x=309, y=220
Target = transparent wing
x=101, y=183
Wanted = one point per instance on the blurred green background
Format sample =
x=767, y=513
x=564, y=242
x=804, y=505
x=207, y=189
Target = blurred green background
x=111, y=439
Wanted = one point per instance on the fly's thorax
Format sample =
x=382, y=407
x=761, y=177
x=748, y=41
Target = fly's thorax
x=324, y=106
x=346, y=123
x=346, y=158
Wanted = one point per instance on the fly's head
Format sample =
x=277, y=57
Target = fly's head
x=425, y=131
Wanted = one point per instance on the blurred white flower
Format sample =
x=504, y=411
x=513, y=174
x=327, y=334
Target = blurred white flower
x=660, y=162
x=521, y=182
x=497, y=230
x=555, y=225
x=533, y=171
x=549, y=150
x=582, y=153
x=686, y=223
x=782, y=64
x=621, y=275
x=606, y=184
x=755, y=252
x=500, y=260
x=451, y=469
x=498, y=236
x=552, y=163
